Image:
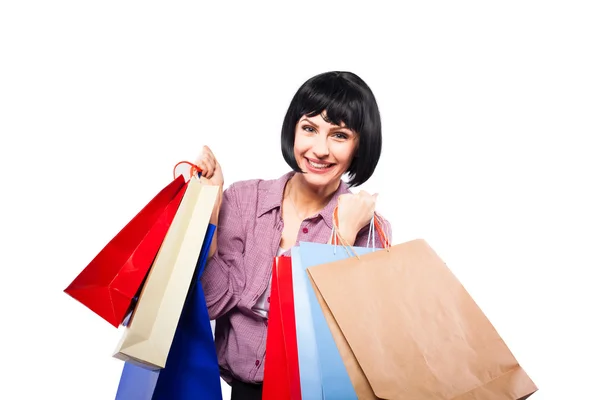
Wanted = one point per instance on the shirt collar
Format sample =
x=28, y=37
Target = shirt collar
x=273, y=196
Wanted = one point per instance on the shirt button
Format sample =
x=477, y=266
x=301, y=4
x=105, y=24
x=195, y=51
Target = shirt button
x=305, y=230
x=257, y=363
x=269, y=299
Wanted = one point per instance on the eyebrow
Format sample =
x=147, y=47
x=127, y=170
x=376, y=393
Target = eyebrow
x=334, y=127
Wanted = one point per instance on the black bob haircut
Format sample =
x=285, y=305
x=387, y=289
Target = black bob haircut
x=345, y=98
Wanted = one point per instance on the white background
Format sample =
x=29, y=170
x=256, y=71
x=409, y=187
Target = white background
x=490, y=118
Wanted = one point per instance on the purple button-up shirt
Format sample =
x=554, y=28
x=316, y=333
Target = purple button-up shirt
x=248, y=237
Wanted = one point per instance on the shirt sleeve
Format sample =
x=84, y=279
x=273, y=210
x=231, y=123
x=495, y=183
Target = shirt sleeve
x=363, y=239
x=223, y=276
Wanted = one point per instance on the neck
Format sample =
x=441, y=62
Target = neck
x=308, y=199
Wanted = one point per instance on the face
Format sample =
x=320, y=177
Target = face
x=323, y=150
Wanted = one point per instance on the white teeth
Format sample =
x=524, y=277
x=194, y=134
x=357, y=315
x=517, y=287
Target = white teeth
x=315, y=165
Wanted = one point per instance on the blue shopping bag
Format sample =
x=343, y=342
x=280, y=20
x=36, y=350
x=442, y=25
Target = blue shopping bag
x=308, y=354
x=191, y=370
x=136, y=383
x=335, y=382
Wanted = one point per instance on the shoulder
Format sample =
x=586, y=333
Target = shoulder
x=257, y=195
x=240, y=194
x=250, y=187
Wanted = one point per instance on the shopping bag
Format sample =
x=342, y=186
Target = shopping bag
x=276, y=383
x=136, y=383
x=288, y=321
x=308, y=353
x=108, y=284
x=281, y=376
x=414, y=330
x=148, y=337
x=335, y=381
x=192, y=370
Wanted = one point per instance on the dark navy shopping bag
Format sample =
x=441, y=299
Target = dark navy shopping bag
x=191, y=371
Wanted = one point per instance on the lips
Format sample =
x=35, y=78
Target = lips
x=318, y=167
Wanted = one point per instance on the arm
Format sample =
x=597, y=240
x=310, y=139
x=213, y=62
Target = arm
x=214, y=220
x=223, y=276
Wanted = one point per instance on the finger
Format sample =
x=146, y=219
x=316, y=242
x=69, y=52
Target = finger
x=209, y=158
x=207, y=150
x=204, y=153
x=208, y=155
x=202, y=165
x=206, y=168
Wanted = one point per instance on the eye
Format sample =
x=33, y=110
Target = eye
x=308, y=128
x=340, y=136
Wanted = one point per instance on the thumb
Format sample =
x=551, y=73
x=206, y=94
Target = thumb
x=375, y=196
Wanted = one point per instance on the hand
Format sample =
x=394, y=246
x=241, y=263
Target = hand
x=211, y=169
x=355, y=211
x=211, y=175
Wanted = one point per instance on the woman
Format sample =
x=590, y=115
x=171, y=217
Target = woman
x=331, y=128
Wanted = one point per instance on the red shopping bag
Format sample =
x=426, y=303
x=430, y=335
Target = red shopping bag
x=282, y=375
x=108, y=284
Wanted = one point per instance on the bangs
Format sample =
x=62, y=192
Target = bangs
x=341, y=102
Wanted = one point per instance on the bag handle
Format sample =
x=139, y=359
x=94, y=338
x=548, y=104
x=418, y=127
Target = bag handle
x=376, y=225
x=383, y=236
x=193, y=170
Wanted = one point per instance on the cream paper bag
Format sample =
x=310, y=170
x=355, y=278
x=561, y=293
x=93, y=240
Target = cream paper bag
x=147, y=339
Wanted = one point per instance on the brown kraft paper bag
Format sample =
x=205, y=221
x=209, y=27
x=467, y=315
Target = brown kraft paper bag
x=407, y=329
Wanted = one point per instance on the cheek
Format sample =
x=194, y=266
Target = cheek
x=301, y=145
x=344, y=153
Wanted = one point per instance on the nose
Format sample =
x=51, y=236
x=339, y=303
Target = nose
x=321, y=146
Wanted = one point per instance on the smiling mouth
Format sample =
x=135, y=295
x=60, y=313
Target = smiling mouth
x=318, y=165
